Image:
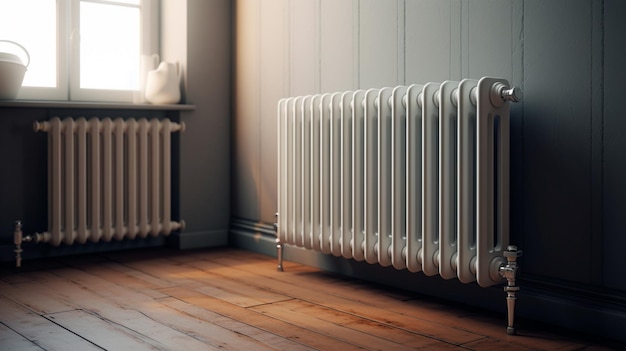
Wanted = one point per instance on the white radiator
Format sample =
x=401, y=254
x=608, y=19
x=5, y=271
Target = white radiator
x=108, y=179
x=415, y=177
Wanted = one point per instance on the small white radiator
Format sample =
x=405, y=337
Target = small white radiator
x=415, y=177
x=108, y=179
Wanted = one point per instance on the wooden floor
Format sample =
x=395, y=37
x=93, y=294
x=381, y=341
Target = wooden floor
x=229, y=299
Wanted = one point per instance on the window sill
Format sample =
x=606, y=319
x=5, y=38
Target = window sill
x=94, y=105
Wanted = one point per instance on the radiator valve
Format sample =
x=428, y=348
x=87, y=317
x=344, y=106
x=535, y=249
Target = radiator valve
x=19, y=238
x=509, y=272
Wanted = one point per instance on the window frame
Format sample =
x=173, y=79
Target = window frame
x=68, y=57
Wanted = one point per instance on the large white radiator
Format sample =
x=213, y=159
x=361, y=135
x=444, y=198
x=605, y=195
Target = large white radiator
x=108, y=179
x=413, y=177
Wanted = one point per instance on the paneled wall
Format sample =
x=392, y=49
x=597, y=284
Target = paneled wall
x=568, y=164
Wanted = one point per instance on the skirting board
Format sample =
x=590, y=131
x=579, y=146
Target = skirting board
x=534, y=304
x=201, y=239
x=181, y=241
x=36, y=251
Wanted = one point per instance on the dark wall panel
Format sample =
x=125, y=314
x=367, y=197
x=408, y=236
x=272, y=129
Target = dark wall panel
x=614, y=205
x=23, y=175
x=557, y=139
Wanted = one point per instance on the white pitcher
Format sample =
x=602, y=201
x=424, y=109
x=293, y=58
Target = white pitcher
x=163, y=84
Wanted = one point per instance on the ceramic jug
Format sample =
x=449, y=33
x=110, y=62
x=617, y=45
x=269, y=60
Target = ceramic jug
x=163, y=84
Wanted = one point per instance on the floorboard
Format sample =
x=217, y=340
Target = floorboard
x=229, y=299
x=10, y=340
x=26, y=330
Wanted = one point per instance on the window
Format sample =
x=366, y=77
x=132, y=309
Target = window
x=81, y=50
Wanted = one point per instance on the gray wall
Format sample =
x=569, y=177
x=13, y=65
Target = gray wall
x=567, y=147
x=205, y=29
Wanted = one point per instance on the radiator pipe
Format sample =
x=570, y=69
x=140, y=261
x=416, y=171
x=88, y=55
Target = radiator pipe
x=509, y=271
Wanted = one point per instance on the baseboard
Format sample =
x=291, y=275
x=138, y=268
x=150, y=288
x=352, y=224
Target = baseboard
x=33, y=251
x=596, y=316
x=200, y=239
x=182, y=241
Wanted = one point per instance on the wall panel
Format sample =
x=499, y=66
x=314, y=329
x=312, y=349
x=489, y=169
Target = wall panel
x=246, y=162
x=337, y=52
x=490, y=38
x=432, y=41
x=304, y=47
x=614, y=187
x=378, y=43
x=273, y=78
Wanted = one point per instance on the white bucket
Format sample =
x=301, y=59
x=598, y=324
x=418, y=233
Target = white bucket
x=12, y=71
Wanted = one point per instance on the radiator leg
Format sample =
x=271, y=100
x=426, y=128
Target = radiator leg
x=279, y=253
x=509, y=271
x=279, y=247
x=18, y=239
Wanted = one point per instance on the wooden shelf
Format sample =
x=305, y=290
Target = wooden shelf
x=94, y=105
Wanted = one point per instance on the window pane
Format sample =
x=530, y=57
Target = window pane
x=32, y=23
x=109, y=46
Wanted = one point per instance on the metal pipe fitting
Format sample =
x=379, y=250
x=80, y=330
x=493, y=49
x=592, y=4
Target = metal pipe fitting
x=500, y=94
x=513, y=94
